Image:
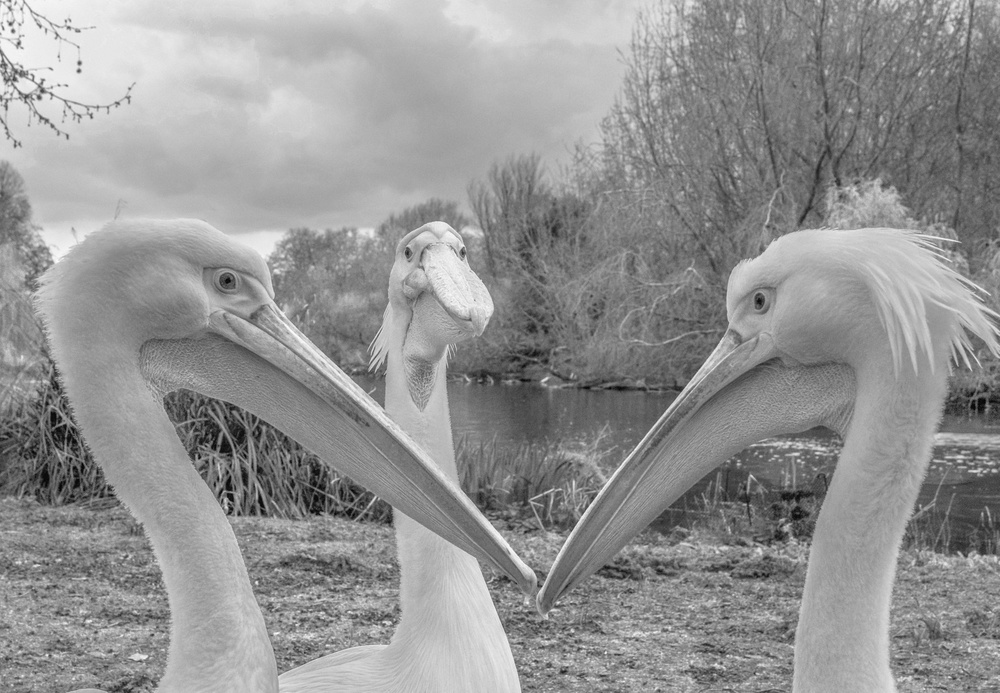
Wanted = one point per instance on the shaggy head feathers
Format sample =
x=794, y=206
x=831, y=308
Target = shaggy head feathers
x=904, y=273
x=396, y=316
x=379, y=348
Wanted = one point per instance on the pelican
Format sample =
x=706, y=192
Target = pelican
x=140, y=308
x=854, y=330
x=449, y=637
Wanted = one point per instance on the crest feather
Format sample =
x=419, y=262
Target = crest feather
x=379, y=348
x=907, y=272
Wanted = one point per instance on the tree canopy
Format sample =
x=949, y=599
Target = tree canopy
x=17, y=232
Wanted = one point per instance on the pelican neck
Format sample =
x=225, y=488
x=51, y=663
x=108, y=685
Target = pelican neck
x=218, y=638
x=852, y=564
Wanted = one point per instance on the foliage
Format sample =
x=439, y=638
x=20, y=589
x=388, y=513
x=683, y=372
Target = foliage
x=23, y=257
x=735, y=123
x=867, y=204
x=254, y=469
x=332, y=284
x=556, y=481
x=28, y=86
x=41, y=449
x=741, y=115
x=584, y=287
x=16, y=228
x=788, y=511
x=21, y=339
x=434, y=209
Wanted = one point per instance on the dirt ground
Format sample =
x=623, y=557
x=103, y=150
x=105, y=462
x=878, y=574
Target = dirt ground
x=82, y=604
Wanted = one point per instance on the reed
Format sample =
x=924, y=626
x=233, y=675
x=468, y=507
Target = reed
x=41, y=452
x=254, y=469
x=752, y=511
x=251, y=467
x=554, y=481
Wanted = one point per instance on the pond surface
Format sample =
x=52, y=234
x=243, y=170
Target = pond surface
x=963, y=480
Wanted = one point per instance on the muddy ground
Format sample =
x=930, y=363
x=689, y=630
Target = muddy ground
x=82, y=604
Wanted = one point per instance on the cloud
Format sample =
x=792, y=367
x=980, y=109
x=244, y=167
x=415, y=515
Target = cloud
x=270, y=115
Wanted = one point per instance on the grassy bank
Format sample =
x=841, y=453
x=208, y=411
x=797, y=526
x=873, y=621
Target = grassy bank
x=254, y=470
x=82, y=604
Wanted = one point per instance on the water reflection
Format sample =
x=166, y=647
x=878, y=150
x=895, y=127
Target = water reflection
x=963, y=480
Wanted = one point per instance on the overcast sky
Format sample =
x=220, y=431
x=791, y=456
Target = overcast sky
x=262, y=115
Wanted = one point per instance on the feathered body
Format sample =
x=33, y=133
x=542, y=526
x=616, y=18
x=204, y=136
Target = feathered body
x=450, y=637
x=884, y=302
x=867, y=320
x=144, y=307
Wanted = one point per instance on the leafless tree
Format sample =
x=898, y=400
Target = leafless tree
x=45, y=102
x=738, y=116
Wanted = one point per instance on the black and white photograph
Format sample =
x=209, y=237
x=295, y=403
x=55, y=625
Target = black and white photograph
x=488, y=346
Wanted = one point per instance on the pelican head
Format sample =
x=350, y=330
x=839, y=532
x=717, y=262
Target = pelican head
x=814, y=316
x=855, y=297
x=430, y=278
x=178, y=304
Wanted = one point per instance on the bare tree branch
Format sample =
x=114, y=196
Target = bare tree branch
x=29, y=86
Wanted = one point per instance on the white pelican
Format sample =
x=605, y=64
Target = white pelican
x=450, y=637
x=143, y=307
x=851, y=329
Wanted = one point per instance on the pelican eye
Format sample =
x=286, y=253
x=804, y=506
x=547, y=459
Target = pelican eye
x=227, y=281
x=463, y=253
x=408, y=253
x=760, y=303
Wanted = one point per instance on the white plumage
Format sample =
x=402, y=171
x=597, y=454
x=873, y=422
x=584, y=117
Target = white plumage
x=143, y=307
x=854, y=330
x=450, y=637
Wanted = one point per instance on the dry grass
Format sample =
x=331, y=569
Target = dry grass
x=81, y=604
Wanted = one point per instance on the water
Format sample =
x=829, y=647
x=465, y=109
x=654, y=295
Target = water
x=963, y=479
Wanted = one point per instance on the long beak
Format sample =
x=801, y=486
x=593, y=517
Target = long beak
x=459, y=291
x=265, y=365
x=739, y=396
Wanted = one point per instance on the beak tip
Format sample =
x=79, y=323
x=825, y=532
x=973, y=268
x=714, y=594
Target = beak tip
x=543, y=603
x=528, y=582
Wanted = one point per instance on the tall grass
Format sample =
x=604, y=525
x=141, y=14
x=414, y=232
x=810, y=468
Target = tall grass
x=21, y=339
x=254, y=469
x=933, y=527
x=251, y=467
x=754, y=511
x=555, y=481
x=41, y=452
x=759, y=513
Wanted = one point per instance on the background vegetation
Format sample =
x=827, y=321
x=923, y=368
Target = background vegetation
x=735, y=123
